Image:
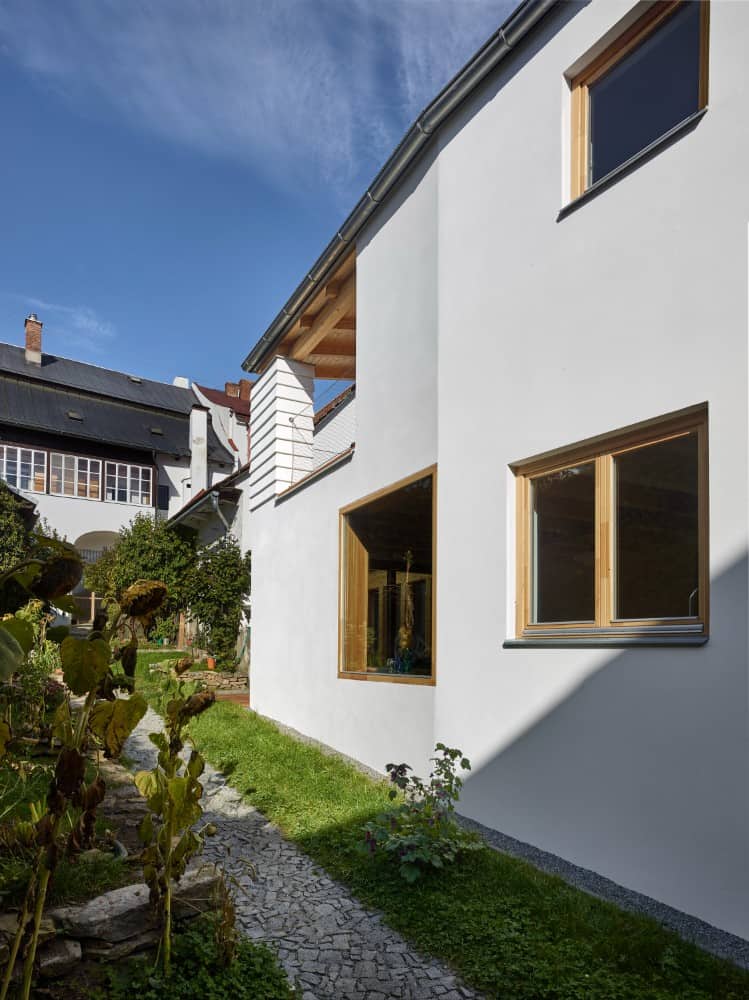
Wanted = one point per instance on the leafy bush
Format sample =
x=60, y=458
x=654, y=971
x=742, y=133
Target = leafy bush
x=422, y=832
x=147, y=549
x=198, y=972
x=16, y=525
x=215, y=593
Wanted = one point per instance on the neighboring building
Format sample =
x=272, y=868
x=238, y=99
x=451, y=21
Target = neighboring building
x=92, y=447
x=543, y=300
x=230, y=412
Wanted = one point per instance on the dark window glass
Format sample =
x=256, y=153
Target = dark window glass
x=649, y=91
x=564, y=545
x=163, y=498
x=657, y=530
x=387, y=564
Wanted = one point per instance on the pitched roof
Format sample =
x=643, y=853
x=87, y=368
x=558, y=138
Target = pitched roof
x=225, y=489
x=240, y=406
x=101, y=381
x=35, y=406
x=348, y=393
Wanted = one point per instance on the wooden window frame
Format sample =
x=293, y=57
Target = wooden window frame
x=602, y=451
x=580, y=84
x=364, y=675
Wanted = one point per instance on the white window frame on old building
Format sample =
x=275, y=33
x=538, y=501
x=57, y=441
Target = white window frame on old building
x=120, y=479
x=75, y=472
x=36, y=461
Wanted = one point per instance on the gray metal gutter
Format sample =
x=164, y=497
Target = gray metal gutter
x=506, y=38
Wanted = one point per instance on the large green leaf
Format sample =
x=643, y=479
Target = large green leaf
x=66, y=603
x=149, y=786
x=21, y=630
x=56, y=633
x=84, y=663
x=11, y=655
x=62, y=726
x=113, y=721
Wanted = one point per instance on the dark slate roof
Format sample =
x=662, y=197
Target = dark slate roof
x=100, y=381
x=32, y=405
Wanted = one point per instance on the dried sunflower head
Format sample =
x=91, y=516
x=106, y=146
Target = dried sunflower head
x=197, y=703
x=58, y=576
x=143, y=598
x=182, y=665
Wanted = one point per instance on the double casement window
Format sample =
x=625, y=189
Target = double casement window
x=129, y=483
x=73, y=476
x=386, y=589
x=23, y=468
x=612, y=535
x=650, y=80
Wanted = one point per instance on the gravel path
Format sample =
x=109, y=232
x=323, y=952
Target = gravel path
x=328, y=943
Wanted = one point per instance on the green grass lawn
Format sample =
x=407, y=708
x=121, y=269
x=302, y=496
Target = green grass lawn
x=510, y=930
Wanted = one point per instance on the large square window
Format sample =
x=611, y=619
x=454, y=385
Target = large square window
x=650, y=79
x=387, y=562
x=612, y=536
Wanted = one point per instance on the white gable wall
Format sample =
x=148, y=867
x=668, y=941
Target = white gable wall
x=293, y=675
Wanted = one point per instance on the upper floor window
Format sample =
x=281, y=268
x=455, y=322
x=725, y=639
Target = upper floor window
x=73, y=476
x=649, y=80
x=613, y=536
x=23, y=468
x=128, y=483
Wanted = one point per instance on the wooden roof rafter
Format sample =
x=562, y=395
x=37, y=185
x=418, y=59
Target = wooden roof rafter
x=324, y=335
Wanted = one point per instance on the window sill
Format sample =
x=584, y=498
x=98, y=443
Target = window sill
x=604, y=182
x=388, y=678
x=606, y=642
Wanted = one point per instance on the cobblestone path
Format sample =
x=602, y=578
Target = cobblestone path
x=329, y=944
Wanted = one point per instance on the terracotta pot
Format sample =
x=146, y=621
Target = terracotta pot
x=210, y=663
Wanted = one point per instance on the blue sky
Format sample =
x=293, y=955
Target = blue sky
x=171, y=168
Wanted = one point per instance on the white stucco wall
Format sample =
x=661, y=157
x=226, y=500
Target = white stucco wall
x=73, y=517
x=293, y=676
x=488, y=331
x=631, y=762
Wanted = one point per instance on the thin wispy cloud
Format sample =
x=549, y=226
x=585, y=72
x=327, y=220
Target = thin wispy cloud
x=68, y=328
x=303, y=90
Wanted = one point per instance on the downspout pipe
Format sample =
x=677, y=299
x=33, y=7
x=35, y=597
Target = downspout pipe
x=506, y=38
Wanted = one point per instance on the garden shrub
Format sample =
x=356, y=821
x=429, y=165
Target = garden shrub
x=422, y=832
x=199, y=971
x=216, y=592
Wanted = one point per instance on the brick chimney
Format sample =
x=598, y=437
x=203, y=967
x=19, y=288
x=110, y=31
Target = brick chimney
x=33, y=328
x=244, y=388
x=231, y=389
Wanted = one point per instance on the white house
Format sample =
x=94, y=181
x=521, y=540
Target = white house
x=93, y=447
x=536, y=549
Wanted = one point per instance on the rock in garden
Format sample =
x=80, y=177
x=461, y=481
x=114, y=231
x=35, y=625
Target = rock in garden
x=56, y=958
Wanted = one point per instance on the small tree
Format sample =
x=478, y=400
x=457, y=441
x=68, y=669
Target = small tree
x=147, y=549
x=16, y=525
x=216, y=591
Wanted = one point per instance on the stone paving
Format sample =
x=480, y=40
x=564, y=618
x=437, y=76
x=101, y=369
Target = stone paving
x=329, y=944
